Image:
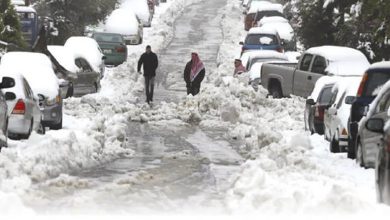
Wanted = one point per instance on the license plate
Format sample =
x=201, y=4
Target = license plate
x=107, y=51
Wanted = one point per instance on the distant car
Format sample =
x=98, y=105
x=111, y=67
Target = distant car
x=250, y=12
x=259, y=38
x=23, y=111
x=125, y=22
x=113, y=47
x=316, y=109
x=337, y=116
x=284, y=30
x=141, y=9
x=6, y=82
x=376, y=75
x=270, y=10
x=88, y=49
x=87, y=80
x=37, y=70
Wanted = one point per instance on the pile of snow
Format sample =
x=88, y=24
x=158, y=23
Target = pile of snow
x=122, y=21
x=36, y=68
x=88, y=49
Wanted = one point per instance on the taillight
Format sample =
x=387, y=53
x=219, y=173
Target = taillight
x=344, y=132
x=280, y=50
x=120, y=49
x=361, y=86
x=20, y=108
x=319, y=113
x=388, y=145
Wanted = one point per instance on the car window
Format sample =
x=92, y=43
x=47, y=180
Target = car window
x=305, y=63
x=27, y=89
x=261, y=39
x=333, y=96
x=262, y=14
x=325, y=96
x=319, y=65
x=375, y=81
x=383, y=103
x=341, y=101
x=83, y=64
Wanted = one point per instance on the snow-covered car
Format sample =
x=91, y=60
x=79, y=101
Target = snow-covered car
x=6, y=82
x=251, y=11
x=261, y=38
x=38, y=71
x=284, y=29
x=337, y=115
x=88, y=49
x=125, y=22
x=270, y=10
x=86, y=81
x=141, y=9
x=24, y=114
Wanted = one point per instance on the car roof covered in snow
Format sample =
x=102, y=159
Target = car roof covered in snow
x=139, y=7
x=337, y=53
x=263, y=30
x=36, y=68
x=265, y=6
x=25, y=9
x=273, y=19
x=284, y=29
x=64, y=56
x=122, y=21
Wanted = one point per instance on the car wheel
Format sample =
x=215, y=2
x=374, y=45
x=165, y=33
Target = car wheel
x=351, y=149
x=57, y=126
x=359, y=154
x=276, y=91
x=334, y=146
x=70, y=91
x=380, y=184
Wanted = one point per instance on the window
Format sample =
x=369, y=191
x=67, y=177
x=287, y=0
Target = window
x=374, y=82
x=341, y=101
x=83, y=64
x=27, y=88
x=305, y=63
x=383, y=103
x=325, y=96
x=319, y=65
x=261, y=39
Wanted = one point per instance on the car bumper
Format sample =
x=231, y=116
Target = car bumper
x=132, y=40
x=19, y=124
x=115, y=59
x=52, y=115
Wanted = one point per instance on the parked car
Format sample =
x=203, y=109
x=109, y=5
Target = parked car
x=126, y=23
x=113, y=46
x=337, y=116
x=6, y=82
x=316, y=109
x=24, y=114
x=367, y=141
x=251, y=11
x=284, y=30
x=281, y=80
x=88, y=49
x=382, y=165
x=375, y=76
x=260, y=38
x=141, y=10
x=87, y=80
x=37, y=70
x=270, y=10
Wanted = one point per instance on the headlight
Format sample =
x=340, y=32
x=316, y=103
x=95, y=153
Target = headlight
x=54, y=101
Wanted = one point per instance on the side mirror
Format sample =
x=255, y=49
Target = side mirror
x=349, y=100
x=375, y=125
x=241, y=43
x=332, y=111
x=310, y=102
x=7, y=82
x=9, y=96
x=41, y=97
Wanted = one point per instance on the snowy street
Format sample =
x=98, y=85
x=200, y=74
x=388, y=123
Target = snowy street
x=228, y=150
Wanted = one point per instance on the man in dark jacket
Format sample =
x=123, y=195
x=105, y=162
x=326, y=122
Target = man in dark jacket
x=194, y=74
x=149, y=61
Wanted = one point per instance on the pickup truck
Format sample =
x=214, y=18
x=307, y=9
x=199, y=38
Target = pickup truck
x=283, y=79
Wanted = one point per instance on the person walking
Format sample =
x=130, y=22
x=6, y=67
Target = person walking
x=194, y=74
x=149, y=61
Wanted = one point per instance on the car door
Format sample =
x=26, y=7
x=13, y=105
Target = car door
x=372, y=140
x=317, y=70
x=87, y=77
x=329, y=118
x=302, y=76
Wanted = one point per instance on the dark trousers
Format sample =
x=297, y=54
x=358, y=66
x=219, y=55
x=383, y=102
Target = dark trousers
x=193, y=89
x=149, y=88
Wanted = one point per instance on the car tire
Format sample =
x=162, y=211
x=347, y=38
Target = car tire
x=359, y=154
x=351, y=150
x=334, y=146
x=275, y=91
x=380, y=184
x=57, y=126
x=70, y=91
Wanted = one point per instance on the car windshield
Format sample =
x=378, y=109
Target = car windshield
x=108, y=38
x=261, y=39
x=375, y=81
x=262, y=14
